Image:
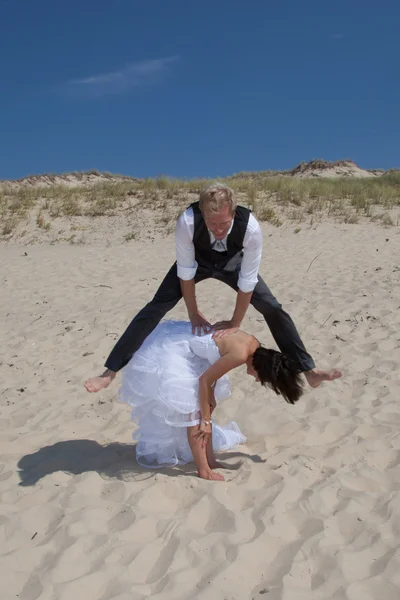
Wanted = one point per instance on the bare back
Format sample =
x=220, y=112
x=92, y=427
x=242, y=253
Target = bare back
x=238, y=343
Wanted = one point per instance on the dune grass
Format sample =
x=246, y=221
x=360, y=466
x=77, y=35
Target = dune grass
x=276, y=199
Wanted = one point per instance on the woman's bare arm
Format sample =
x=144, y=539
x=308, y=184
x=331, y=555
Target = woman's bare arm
x=223, y=365
x=213, y=402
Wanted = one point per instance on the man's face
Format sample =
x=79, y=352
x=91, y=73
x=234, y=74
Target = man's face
x=219, y=222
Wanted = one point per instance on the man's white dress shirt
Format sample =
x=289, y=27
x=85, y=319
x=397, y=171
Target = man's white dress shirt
x=185, y=254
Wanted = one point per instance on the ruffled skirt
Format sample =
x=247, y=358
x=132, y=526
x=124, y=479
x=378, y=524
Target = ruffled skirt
x=160, y=383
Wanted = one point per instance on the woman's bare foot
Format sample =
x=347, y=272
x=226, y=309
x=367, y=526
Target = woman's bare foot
x=208, y=474
x=95, y=384
x=315, y=377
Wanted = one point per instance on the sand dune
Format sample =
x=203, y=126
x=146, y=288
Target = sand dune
x=312, y=168
x=311, y=504
x=69, y=180
x=339, y=168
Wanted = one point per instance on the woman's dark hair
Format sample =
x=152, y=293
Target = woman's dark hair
x=278, y=372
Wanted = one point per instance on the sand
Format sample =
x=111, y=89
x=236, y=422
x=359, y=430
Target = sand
x=311, y=504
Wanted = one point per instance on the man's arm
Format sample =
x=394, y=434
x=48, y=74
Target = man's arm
x=188, y=289
x=187, y=267
x=199, y=322
x=241, y=306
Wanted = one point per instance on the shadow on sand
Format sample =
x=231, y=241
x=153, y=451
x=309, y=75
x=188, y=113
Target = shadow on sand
x=109, y=461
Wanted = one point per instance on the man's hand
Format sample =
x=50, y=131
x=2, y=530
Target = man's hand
x=223, y=328
x=199, y=324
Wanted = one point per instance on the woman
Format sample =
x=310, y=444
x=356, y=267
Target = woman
x=175, y=381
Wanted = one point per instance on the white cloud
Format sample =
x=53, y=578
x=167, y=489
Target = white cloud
x=136, y=74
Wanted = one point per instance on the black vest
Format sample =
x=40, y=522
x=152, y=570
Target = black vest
x=211, y=259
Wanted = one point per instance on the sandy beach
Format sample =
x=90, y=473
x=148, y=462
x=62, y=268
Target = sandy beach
x=310, y=508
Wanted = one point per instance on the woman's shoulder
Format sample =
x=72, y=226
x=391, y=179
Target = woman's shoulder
x=237, y=343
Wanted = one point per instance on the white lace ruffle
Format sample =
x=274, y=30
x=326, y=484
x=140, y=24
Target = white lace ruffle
x=160, y=383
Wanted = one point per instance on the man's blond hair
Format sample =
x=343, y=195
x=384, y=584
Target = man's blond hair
x=215, y=197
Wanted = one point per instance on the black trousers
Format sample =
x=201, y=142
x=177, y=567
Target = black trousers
x=168, y=295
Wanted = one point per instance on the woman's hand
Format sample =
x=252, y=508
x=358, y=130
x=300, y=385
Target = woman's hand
x=203, y=434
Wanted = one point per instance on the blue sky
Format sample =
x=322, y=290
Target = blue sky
x=191, y=89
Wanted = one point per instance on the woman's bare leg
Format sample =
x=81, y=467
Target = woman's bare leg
x=200, y=457
x=212, y=462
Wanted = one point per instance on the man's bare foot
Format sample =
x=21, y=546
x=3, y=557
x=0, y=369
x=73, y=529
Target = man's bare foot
x=95, y=384
x=208, y=474
x=315, y=377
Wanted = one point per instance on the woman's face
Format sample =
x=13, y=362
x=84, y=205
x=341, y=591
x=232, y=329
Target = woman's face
x=251, y=371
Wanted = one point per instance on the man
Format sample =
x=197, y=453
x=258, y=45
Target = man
x=214, y=238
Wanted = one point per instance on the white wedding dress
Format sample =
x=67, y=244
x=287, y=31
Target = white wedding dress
x=160, y=382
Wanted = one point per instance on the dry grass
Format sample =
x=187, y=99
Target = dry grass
x=131, y=235
x=41, y=222
x=275, y=199
x=8, y=226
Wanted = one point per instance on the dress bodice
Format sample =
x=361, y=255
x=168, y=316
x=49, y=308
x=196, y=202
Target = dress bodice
x=205, y=347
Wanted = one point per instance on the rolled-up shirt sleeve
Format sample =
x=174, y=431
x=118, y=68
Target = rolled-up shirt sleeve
x=252, y=251
x=184, y=247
